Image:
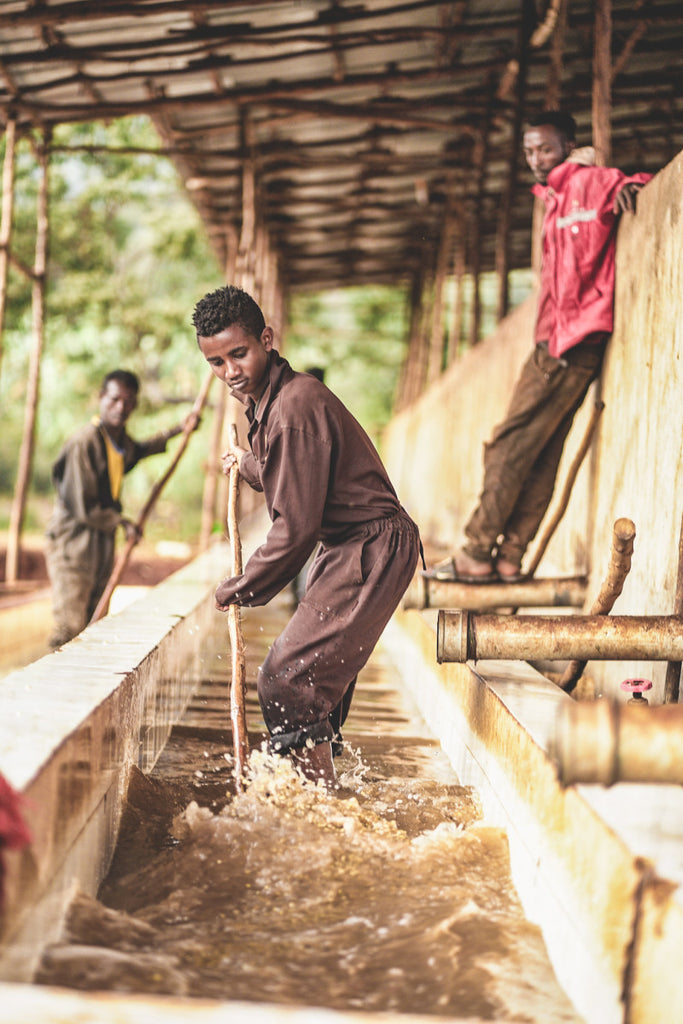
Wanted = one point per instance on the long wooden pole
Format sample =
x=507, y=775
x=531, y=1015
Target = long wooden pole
x=28, y=439
x=565, y=494
x=213, y=475
x=211, y=478
x=245, y=277
x=238, y=688
x=122, y=560
x=6, y=213
x=503, y=234
x=602, y=83
x=435, y=357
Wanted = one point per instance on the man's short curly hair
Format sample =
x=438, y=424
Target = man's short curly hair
x=223, y=308
x=123, y=377
x=563, y=122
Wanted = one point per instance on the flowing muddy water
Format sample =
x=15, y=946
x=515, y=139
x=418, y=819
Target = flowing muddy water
x=389, y=894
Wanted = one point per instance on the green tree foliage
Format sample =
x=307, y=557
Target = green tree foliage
x=128, y=260
x=357, y=335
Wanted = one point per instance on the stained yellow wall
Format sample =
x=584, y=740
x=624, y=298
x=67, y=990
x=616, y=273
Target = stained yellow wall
x=433, y=450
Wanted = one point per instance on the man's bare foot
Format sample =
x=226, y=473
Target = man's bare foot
x=507, y=570
x=465, y=565
x=462, y=568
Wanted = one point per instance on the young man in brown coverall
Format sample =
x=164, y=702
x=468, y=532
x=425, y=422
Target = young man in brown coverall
x=323, y=482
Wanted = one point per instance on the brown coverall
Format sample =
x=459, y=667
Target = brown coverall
x=80, y=536
x=323, y=481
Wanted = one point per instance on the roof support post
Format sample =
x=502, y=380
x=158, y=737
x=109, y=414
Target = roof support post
x=33, y=384
x=246, y=252
x=507, y=199
x=459, y=268
x=418, y=377
x=6, y=218
x=602, y=83
x=553, y=95
x=270, y=286
x=410, y=381
x=436, y=334
x=213, y=477
x=480, y=161
x=553, y=89
x=474, y=246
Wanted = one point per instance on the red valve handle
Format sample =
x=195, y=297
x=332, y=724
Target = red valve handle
x=636, y=685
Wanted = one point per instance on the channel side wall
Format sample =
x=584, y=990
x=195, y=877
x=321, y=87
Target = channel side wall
x=598, y=869
x=73, y=723
x=434, y=449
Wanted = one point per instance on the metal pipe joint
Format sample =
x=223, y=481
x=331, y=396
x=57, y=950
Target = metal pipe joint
x=560, y=592
x=465, y=636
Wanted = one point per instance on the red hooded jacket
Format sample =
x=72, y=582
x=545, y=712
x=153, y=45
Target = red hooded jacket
x=579, y=238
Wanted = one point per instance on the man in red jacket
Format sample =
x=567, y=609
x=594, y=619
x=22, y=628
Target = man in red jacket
x=574, y=321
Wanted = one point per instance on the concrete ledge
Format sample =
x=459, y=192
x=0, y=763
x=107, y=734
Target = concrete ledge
x=73, y=723
x=24, y=1004
x=590, y=865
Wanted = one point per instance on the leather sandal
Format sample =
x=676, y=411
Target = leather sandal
x=447, y=571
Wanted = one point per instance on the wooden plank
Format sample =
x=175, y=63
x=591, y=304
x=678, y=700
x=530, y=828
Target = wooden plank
x=602, y=83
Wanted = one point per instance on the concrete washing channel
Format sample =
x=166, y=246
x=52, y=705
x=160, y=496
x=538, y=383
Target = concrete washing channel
x=598, y=869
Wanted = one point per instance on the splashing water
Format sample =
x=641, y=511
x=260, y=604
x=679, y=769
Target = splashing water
x=387, y=894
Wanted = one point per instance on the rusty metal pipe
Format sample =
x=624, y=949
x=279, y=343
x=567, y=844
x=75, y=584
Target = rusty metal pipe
x=604, y=742
x=559, y=592
x=465, y=636
x=623, y=535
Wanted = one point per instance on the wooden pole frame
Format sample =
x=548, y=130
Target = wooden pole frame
x=245, y=276
x=507, y=199
x=602, y=83
x=436, y=334
x=475, y=235
x=213, y=475
x=459, y=269
x=6, y=217
x=238, y=687
x=38, y=275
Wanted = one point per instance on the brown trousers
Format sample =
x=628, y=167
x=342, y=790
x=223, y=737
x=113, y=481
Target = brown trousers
x=523, y=456
x=77, y=581
x=307, y=680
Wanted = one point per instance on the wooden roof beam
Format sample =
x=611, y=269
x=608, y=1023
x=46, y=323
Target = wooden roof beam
x=86, y=10
x=629, y=46
x=198, y=41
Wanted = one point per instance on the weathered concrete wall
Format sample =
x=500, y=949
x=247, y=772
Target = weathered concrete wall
x=73, y=724
x=598, y=868
x=434, y=449
x=638, y=465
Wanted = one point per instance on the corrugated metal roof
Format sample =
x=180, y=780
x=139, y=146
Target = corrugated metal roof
x=367, y=120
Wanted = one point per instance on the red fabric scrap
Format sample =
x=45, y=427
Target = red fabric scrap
x=14, y=832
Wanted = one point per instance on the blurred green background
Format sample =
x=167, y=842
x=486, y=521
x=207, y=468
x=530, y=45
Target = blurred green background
x=128, y=259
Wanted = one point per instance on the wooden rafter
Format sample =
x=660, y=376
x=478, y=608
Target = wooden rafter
x=348, y=104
